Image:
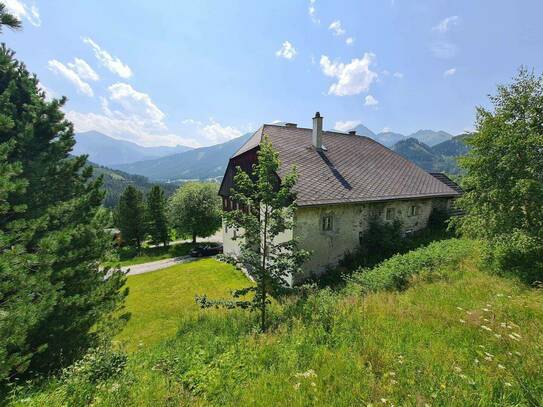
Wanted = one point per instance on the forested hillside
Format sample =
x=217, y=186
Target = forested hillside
x=116, y=181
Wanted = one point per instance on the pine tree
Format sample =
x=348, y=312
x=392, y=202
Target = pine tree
x=156, y=215
x=131, y=217
x=8, y=19
x=266, y=209
x=195, y=209
x=55, y=301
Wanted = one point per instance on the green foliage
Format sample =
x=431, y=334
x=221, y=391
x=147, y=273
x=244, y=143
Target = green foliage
x=194, y=209
x=116, y=181
x=396, y=272
x=55, y=302
x=131, y=218
x=265, y=209
x=503, y=186
x=156, y=214
x=8, y=20
x=378, y=242
x=456, y=336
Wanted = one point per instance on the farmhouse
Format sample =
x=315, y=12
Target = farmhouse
x=344, y=180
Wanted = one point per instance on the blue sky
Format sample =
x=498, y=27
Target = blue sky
x=202, y=72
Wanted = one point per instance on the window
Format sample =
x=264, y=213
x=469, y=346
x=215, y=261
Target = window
x=413, y=210
x=327, y=223
x=390, y=214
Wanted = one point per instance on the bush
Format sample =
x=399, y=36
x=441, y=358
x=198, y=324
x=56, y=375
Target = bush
x=379, y=241
x=396, y=272
x=97, y=365
x=438, y=219
x=518, y=254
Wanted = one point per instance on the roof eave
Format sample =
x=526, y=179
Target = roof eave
x=374, y=200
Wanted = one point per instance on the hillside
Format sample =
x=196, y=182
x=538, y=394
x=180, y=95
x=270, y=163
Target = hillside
x=441, y=157
x=116, y=181
x=431, y=137
x=424, y=328
x=105, y=150
x=200, y=163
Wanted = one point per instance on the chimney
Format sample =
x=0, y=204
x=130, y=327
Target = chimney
x=291, y=125
x=317, y=131
x=352, y=132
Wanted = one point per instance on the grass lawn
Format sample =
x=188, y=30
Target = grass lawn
x=159, y=300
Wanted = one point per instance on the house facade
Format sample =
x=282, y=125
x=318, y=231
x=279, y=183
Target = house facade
x=344, y=181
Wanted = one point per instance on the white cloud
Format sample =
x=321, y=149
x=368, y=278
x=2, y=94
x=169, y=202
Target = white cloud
x=349, y=41
x=286, y=51
x=22, y=11
x=449, y=72
x=346, y=125
x=336, y=28
x=208, y=133
x=61, y=69
x=83, y=69
x=370, y=101
x=127, y=114
x=398, y=75
x=352, y=78
x=446, y=24
x=114, y=64
x=444, y=50
x=313, y=12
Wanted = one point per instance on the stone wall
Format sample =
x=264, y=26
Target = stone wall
x=348, y=223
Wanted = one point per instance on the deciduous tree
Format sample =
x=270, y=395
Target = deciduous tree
x=266, y=208
x=195, y=209
x=503, y=185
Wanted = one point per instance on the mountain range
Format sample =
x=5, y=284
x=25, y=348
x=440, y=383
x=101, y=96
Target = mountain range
x=105, y=150
x=431, y=150
x=199, y=163
x=389, y=138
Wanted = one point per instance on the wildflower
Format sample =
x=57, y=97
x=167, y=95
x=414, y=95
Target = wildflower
x=489, y=305
x=462, y=321
x=296, y=386
x=442, y=385
x=517, y=335
x=489, y=354
x=499, y=295
x=518, y=353
x=476, y=360
x=486, y=310
x=457, y=369
x=393, y=382
x=497, y=336
x=486, y=328
x=460, y=308
x=308, y=374
x=501, y=366
x=313, y=384
x=507, y=384
x=513, y=337
x=384, y=401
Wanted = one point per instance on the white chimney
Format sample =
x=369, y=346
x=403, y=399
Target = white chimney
x=317, y=131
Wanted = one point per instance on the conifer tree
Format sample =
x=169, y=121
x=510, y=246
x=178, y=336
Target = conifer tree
x=131, y=217
x=55, y=301
x=156, y=215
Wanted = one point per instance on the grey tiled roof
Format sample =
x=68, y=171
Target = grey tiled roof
x=352, y=168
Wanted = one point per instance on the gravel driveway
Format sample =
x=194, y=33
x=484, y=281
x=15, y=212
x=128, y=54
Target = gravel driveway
x=156, y=265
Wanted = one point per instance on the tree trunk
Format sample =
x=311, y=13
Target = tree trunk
x=193, y=237
x=263, y=279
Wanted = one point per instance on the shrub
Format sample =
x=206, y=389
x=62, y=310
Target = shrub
x=378, y=242
x=97, y=365
x=395, y=273
x=518, y=253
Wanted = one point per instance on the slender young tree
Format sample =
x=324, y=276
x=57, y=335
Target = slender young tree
x=503, y=185
x=7, y=19
x=156, y=215
x=195, y=209
x=131, y=217
x=266, y=209
x=55, y=299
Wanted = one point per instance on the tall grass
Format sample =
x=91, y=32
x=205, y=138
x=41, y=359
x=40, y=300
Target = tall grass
x=452, y=336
